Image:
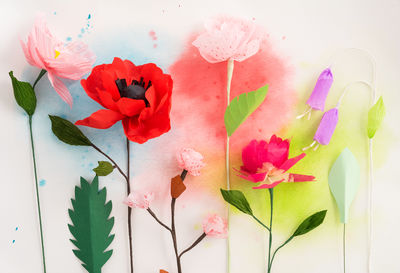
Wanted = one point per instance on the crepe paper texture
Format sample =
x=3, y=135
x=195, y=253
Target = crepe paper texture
x=104, y=168
x=327, y=126
x=190, y=160
x=139, y=96
x=344, y=180
x=59, y=60
x=215, y=226
x=177, y=186
x=67, y=132
x=318, y=97
x=375, y=117
x=91, y=225
x=24, y=94
x=242, y=107
x=269, y=162
x=228, y=38
x=139, y=200
x=238, y=200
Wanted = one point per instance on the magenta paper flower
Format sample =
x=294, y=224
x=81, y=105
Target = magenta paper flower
x=317, y=99
x=139, y=200
x=190, y=160
x=268, y=162
x=70, y=61
x=215, y=226
x=228, y=38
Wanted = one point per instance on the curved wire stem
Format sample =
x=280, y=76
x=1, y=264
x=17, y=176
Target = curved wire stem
x=344, y=248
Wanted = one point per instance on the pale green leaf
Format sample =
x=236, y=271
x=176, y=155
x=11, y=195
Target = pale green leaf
x=375, y=117
x=242, y=107
x=344, y=180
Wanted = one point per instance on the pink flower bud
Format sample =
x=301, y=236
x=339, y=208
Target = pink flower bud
x=190, y=160
x=215, y=226
x=139, y=200
x=318, y=96
x=327, y=126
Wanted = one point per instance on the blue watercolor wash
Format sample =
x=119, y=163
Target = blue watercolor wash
x=55, y=13
x=82, y=30
x=79, y=35
x=16, y=229
x=89, y=16
x=69, y=39
x=91, y=165
x=42, y=183
x=13, y=241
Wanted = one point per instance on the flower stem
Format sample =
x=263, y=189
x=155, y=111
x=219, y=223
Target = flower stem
x=344, y=248
x=228, y=184
x=201, y=237
x=261, y=223
x=173, y=234
x=158, y=220
x=115, y=164
x=271, y=198
x=37, y=194
x=41, y=74
x=128, y=190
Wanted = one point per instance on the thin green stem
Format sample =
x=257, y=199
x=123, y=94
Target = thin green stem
x=37, y=194
x=282, y=245
x=344, y=248
x=41, y=74
x=259, y=221
x=271, y=198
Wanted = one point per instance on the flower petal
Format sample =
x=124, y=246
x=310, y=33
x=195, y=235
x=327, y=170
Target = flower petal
x=291, y=162
x=130, y=107
x=101, y=119
x=60, y=88
x=254, y=155
x=268, y=186
x=277, y=151
x=301, y=178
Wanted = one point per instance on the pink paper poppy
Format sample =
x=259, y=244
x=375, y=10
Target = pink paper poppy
x=60, y=60
x=268, y=162
x=228, y=38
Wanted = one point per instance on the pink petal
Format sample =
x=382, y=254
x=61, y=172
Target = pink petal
x=254, y=155
x=301, y=178
x=277, y=151
x=60, y=88
x=268, y=186
x=291, y=162
x=101, y=119
x=255, y=178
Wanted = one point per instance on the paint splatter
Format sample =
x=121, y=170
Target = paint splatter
x=153, y=36
x=42, y=183
x=55, y=13
x=13, y=241
x=69, y=39
x=283, y=37
x=16, y=229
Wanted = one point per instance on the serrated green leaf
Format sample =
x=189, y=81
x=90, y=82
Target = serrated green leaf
x=91, y=225
x=24, y=94
x=67, y=132
x=238, y=200
x=104, y=168
x=344, y=179
x=375, y=117
x=310, y=223
x=242, y=107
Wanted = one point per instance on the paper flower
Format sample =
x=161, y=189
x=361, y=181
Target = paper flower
x=325, y=129
x=215, y=226
x=317, y=99
x=60, y=60
x=139, y=96
x=190, y=160
x=228, y=38
x=139, y=200
x=268, y=162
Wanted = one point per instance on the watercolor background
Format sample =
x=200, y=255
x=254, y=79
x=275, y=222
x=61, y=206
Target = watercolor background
x=300, y=41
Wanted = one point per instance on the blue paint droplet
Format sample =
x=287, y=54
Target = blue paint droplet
x=91, y=165
x=80, y=36
x=42, y=183
x=55, y=13
x=82, y=30
x=69, y=39
x=13, y=241
x=16, y=228
x=89, y=16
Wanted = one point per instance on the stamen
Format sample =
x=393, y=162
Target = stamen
x=305, y=113
x=310, y=146
x=148, y=85
x=316, y=147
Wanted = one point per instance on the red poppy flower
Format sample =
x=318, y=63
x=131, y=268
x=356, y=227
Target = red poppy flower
x=139, y=96
x=268, y=162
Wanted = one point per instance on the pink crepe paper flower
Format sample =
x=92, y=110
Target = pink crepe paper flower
x=317, y=99
x=70, y=61
x=215, y=226
x=139, y=200
x=190, y=160
x=268, y=162
x=228, y=38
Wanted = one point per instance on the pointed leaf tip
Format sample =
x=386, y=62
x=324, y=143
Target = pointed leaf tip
x=67, y=132
x=238, y=200
x=310, y=223
x=24, y=94
x=375, y=117
x=344, y=180
x=241, y=107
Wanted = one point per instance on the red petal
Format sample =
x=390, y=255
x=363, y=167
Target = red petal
x=130, y=107
x=291, y=162
x=101, y=119
x=277, y=151
x=301, y=178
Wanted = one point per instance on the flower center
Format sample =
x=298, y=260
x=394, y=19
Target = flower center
x=136, y=90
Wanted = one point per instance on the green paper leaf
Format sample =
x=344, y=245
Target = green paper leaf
x=104, y=168
x=67, y=132
x=24, y=94
x=375, y=117
x=238, y=200
x=344, y=179
x=310, y=223
x=91, y=225
x=242, y=107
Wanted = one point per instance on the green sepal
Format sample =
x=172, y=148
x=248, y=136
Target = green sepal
x=67, y=132
x=375, y=117
x=104, y=168
x=238, y=200
x=310, y=223
x=24, y=94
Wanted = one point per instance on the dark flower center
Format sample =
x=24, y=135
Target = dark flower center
x=136, y=90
